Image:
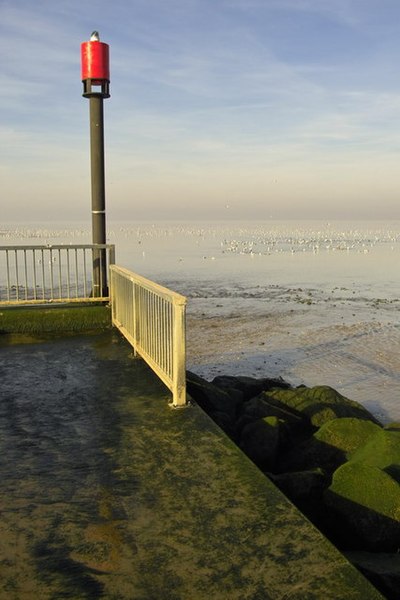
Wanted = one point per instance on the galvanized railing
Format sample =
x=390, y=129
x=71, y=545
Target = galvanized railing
x=64, y=273
x=152, y=318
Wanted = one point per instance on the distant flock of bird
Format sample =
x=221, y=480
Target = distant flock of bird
x=256, y=240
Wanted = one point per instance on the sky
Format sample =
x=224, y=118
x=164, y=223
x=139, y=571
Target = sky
x=219, y=109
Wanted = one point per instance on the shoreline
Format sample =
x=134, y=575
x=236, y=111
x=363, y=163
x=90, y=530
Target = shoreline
x=358, y=358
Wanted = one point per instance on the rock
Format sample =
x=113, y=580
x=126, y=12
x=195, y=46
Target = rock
x=305, y=489
x=393, y=427
x=302, y=487
x=249, y=386
x=262, y=406
x=382, y=570
x=309, y=454
x=382, y=450
x=321, y=404
x=211, y=398
x=260, y=441
x=367, y=502
x=346, y=434
x=331, y=446
x=225, y=422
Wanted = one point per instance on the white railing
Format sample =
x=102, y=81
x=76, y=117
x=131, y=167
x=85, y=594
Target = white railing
x=65, y=273
x=152, y=318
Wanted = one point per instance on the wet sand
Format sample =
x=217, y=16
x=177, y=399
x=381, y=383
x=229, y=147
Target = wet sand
x=357, y=353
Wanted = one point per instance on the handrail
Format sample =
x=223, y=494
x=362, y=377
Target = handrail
x=37, y=274
x=152, y=319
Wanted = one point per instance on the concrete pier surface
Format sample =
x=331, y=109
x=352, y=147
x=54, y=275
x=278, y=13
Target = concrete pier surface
x=107, y=492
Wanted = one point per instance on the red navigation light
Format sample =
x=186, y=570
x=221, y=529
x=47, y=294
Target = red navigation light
x=95, y=65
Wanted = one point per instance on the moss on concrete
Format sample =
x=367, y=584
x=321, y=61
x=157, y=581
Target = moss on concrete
x=44, y=320
x=123, y=497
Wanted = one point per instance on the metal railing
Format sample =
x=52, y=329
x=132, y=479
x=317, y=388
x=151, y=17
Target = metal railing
x=64, y=273
x=152, y=318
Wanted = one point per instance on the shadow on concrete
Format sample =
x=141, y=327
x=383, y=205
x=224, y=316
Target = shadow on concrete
x=107, y=492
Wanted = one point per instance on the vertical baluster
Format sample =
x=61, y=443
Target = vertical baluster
x=34, y=274
x=159, y=331
x=51, y=273
x=165, y=334
x=26, y=275
x=161, y=324
x=59, y=275
x=154, y=319
x=168, y=341
x=84, y=275
x=16, y=274
x=151, y=320
x=102, y=270
x=143, y=309
x=43, y=275
x=153, y=325
x=68, y=276
x=8, y=277
x=76, y=273
x=134, y=314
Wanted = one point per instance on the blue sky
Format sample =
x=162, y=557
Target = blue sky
x=233, y=109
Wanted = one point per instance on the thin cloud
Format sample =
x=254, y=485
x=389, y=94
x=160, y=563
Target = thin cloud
x=233, y=91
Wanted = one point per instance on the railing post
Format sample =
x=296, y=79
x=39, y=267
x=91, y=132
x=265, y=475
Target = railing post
x=179, y=358
x=135, y=316
x=111, y=254
x=112, y=293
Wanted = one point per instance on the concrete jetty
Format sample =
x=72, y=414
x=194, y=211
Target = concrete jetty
x=107, y=492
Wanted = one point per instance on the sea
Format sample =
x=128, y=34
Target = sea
x=313, y=302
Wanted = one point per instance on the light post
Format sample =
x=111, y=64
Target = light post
x=96, y=74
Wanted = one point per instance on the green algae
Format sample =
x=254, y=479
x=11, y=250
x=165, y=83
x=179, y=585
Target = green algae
x=320, y=403
x=346, y=434
x=44, y=320
x=158, y=503
x=380, y=450
x=367, y=486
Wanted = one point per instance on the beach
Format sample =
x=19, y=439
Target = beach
x=312, y=302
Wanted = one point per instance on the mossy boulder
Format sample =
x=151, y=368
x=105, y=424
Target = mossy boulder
x=249, y=386
x=367, y=501
x=225, y=422
x=260, y=441
x=261, y=406
x=320, y=404
x=381, y=450
x=393, y=426
x=308, y=454
x=211, y=398
x=302, y=487
x=346, y=434
x=329, y=447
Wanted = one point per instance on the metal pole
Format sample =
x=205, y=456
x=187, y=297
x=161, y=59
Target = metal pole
x=98, y=194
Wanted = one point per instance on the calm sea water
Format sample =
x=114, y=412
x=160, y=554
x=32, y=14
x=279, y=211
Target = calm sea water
x=314, y=302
